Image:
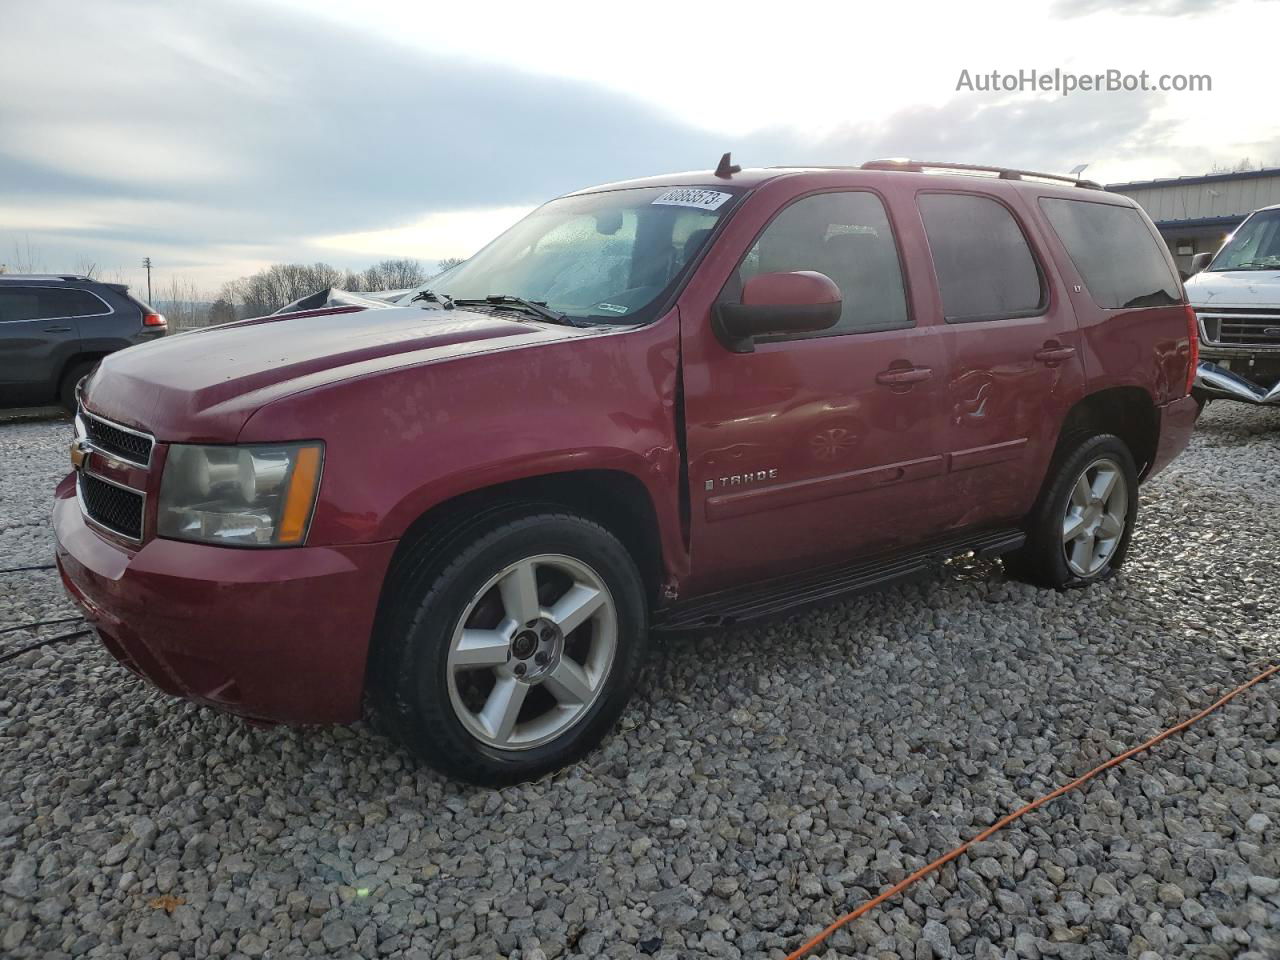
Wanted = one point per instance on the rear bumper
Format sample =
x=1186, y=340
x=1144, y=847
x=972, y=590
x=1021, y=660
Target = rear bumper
x=1177, y=423
x=275, y=635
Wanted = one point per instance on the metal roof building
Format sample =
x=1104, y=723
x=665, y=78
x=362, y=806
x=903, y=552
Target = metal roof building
x=1195, y=214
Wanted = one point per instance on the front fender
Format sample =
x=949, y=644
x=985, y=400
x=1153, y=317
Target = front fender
x=400, y=442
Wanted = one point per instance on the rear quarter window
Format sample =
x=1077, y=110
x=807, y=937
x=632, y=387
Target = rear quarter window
x=1119, y=260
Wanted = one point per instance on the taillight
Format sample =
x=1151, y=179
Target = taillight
x=1193, y=346
x=154, y=320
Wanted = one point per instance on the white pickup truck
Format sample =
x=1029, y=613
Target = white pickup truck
x=1236, y=296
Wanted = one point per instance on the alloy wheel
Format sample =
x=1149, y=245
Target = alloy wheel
x=532, y=652
x=1095, y=517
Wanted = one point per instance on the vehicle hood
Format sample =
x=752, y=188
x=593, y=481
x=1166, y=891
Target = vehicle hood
x=1235, y=288
x=205, y=384
x=333, y=297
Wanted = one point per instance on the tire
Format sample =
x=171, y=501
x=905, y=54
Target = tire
x=1052, y=557
x=76, y=372
x=1202, y=400
x=451, y=659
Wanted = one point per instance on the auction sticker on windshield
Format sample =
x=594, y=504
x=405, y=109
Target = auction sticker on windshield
x=693, y=197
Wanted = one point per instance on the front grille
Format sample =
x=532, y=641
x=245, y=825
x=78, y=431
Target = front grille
x=1241, y=326
x=116, y=441
x=115, y=508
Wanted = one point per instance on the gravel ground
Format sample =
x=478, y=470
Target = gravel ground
x=764, y=781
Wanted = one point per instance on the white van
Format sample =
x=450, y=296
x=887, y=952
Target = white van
x=1237, y=299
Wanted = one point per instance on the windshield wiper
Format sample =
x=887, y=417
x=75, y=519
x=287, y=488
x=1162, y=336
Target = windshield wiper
x=432, y=297
x=1266, y=263
x=537, y=308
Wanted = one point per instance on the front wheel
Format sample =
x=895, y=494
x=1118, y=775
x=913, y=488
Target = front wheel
x=516, y=655
x=1080, y=529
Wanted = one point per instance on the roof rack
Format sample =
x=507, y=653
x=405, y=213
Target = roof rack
x=1002, y=173
x=42, y=276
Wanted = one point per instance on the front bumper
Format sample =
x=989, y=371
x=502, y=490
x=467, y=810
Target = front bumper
x=275, y=635
x=1216, y=381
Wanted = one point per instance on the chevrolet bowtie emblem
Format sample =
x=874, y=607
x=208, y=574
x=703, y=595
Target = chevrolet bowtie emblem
x=79, y=454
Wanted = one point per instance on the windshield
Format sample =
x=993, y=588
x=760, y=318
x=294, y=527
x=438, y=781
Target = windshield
x=1255, y=246
x=604, y=257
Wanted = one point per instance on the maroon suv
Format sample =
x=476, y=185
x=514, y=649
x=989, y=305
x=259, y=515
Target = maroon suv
x=672, y=403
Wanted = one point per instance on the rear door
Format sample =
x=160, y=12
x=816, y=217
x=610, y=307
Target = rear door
x=1126, y=294
x=1013, y=358
x=39, y=333
x=814, y=447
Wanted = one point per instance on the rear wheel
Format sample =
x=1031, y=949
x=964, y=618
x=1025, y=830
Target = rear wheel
x=70, y=380
x=1080, y=529
x=515, y=655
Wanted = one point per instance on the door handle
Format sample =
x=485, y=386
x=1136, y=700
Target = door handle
x=56, y=329
x=1055, y=354
x=903, y=376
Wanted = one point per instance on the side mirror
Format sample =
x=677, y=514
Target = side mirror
x=1199, y=262
x=778, y=304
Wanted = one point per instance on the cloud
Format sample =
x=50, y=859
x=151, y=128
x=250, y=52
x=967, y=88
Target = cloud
x=1155, y=8
x=207, y=135
x=1052, y=134
x=268, y=127
x=433, y=236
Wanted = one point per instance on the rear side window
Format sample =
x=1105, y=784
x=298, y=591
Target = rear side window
x=847, y=236
x=47, y=303
x=18, y=303
x=984, y=266
x=1113, y=249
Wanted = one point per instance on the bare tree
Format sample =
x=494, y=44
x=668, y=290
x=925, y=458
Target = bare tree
x=183, y=304
x=399, y=274
x=26, y=257
x=268, y=290
x=448, y=263
x=221, y=310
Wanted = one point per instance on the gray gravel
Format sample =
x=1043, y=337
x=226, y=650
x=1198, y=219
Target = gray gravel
x=763, y=782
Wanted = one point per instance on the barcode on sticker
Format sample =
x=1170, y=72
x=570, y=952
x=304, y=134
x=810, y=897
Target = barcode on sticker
x=693, y=197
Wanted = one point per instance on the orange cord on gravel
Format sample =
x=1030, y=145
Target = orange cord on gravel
x=1005, y=821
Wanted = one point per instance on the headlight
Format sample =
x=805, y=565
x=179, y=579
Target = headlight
x=260, y=496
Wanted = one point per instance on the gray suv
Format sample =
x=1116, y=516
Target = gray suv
x=55, y=328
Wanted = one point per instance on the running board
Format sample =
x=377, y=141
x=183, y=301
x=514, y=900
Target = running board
x=783, y=595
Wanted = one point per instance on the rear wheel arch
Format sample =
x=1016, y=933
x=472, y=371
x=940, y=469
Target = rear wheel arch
x=85, y=357
x=1127, y=412
x=76, y=366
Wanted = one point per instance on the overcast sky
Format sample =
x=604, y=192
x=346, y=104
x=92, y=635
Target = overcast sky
x=222, y=136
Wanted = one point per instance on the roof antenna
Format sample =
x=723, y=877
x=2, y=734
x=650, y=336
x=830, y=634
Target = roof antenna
x=726, y=168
